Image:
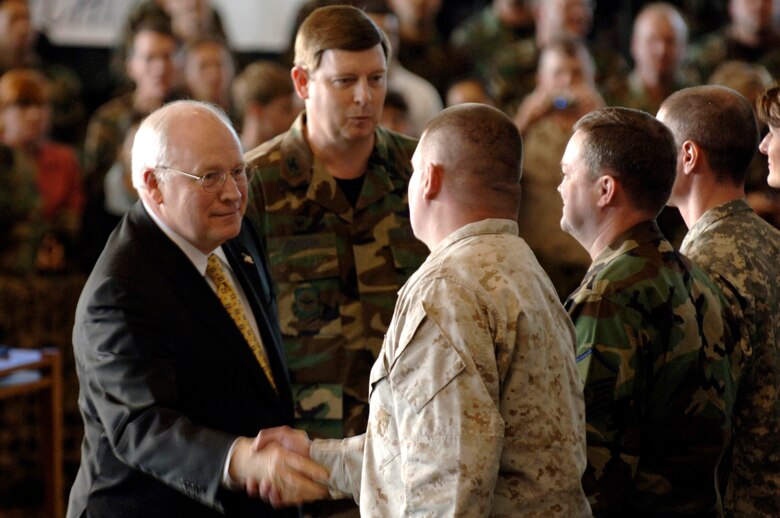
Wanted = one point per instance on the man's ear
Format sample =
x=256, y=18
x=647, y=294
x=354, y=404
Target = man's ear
x=254, y=109
x=607, y=190
x=432, y=180
x=691, y=157
x=152, y=185
x=300, y=79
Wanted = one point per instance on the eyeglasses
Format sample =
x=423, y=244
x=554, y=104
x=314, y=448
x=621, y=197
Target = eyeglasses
x=214, y=180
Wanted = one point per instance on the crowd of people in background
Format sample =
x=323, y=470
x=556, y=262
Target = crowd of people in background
x=66, y=169
x=545, y=64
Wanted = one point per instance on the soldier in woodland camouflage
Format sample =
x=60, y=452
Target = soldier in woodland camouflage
x=655, y=343
x=740, y=251
x=330, y=200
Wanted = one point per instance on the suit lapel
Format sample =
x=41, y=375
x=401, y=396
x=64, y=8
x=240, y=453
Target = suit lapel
x=193, y=290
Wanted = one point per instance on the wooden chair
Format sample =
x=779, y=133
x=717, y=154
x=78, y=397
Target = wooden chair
x=27, y=371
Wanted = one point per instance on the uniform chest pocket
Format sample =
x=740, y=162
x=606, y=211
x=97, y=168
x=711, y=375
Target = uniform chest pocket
x=306, y=272
x=425, y=361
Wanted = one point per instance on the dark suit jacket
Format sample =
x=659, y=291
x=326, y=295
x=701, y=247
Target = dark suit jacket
x=167, y=381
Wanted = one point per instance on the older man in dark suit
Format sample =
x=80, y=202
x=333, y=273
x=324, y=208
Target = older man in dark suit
x=177, y=345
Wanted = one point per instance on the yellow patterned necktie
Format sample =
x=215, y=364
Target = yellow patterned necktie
x=229, y=298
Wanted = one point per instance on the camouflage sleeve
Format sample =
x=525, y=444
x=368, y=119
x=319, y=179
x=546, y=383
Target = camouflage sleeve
x=607, y=357
x=450, y=431
x=100, y=148
x=343, y=458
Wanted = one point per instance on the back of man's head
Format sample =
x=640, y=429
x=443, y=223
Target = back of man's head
x=721, y=122
x=482, y=153
x=633, y=147
x=336, y=27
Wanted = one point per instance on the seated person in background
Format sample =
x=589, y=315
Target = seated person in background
x=565, y=86
x=752, y=34
x=191, y=20
x=44, y=194
x=18, y=50
x=476, y=405
x=499, y=41
x=423, y=49
x=395, y=113
x=265, y=102
x=422, y=99
x=658, y=45
x=565, y=91
x=151, y=61
x=120, y=195
x=468, y=90
x=208, y=71
x=657, y=347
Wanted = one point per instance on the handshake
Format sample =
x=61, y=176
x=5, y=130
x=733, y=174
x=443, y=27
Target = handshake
x=275, y=467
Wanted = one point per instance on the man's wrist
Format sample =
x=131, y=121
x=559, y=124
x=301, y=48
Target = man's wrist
x=234, y=472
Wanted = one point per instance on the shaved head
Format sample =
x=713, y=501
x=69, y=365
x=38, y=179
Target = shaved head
x=482, y=152
x=721, y=122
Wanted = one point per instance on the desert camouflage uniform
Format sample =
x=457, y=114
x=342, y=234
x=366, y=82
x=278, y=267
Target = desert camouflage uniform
x=336, y=269
x=717, y=47
x=741, y=252
x=476, y=404
x=661, y=367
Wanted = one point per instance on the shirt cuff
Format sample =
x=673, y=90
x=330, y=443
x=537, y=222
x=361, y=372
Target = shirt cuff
x=228, y=482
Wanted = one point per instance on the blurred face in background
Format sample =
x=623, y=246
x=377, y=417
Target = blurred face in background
x=754, y=17
x=16, y=34
x=191, y=19
x=411, y=11
x=152, y=66
x=278, y=114
x=25, y=124
x=209, y=72
x=25, y=113
x=565, y=18
x=658, y=43
x=559, y=72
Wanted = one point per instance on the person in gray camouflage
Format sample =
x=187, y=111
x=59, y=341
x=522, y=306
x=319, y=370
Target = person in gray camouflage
x=330, y=201
x=656, y=344
x=740, y=251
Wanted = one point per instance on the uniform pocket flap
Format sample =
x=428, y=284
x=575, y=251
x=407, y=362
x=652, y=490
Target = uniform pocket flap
x=426, y=361
x=300, y=258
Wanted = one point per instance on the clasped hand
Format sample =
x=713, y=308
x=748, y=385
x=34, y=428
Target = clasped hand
x=275, y=466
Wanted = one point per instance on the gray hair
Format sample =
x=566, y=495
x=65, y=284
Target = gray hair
x=150, y=147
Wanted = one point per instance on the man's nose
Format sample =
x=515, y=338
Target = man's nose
x=362, y=92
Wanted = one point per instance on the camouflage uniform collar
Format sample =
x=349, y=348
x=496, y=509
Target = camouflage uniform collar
x=478, y=228
x=715, y=214
x=642, y=233
x=301, y=167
